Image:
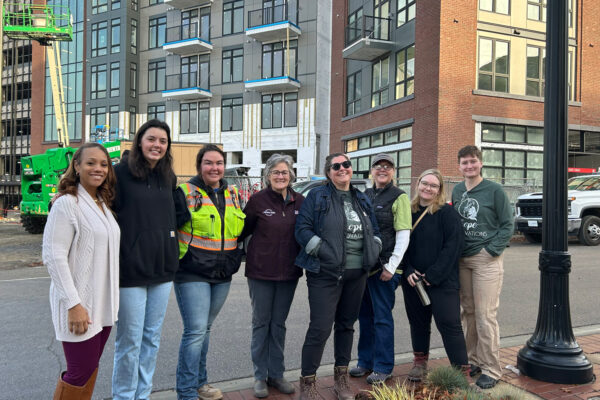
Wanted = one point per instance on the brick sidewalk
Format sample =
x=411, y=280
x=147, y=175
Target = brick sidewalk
x=590, y=345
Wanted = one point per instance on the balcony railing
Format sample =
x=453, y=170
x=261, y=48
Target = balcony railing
x=272, y=15
x=187, y=80
x=368, y=27
x=188, y=31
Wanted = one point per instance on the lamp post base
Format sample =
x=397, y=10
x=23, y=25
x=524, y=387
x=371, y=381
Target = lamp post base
x=567, y=366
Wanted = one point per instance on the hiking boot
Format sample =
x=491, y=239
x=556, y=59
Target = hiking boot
x=260, y=389
x=340, y=385
x=419, y=368
x=359, y=371
x=207, y=392
x=486, y=382
x=282, y=385
x=308, y=388
x=475, y=370
x=378, y=377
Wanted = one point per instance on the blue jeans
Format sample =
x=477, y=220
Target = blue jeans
x=271, y=302
x=376, y=339
x=141, y=313
x=199, y=304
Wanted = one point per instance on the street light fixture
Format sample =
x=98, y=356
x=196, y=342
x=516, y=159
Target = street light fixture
x=552, y=353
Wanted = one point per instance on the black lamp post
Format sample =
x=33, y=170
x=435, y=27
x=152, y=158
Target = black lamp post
x=552, y=353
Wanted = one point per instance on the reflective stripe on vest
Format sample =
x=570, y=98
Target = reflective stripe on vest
x=207, y=237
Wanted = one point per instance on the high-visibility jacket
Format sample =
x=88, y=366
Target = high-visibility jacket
x=206, y=230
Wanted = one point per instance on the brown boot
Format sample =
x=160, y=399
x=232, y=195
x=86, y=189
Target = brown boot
x=308, y=388
x=419, y=369
x=65, y=391
x=341, y=386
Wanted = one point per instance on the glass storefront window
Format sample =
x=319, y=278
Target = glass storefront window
x=535, y=160
x=404, y=158
x=492, y=158
x=535, y=135
x=363, y=143
x=406, y=134
x=391, y=136
x=363, y=164
x=492, y=132
x=377, y=140
x=514, y=159
x=351, y=145
x=515, y=134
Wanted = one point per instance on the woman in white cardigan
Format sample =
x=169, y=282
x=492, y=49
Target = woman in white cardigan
x=81, y=252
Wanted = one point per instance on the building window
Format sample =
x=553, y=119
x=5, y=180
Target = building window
x=271, y=111
x=156, y=111
x=98, y=73
x=275, y=59
x=97, y=117
x=99, y=42
x=193, y=117
x=405, y=72
x=353, y=93
x=155, y=2
x=536, y=10
x=133, y=80
x=496, y=6
x=115, y=4
x=381, y=80
x=132, y=120
x=115, y=79
x=493, y=65
x=354, y=28
x=233, y=17
x=156, y=32
x=133, y=42
x=237, y=157
x=379, y=139
x=232, y=114
x=536, y=71
x=498, y=133
x=99, y=6
x=113, y=120
x=290, y=109
x=134, y=5
x=407, y=10
x=233, y=65
x=381, y=12
x=115, y=35
x=193, y=26
x=195, y=71
x=513, y=167
x=156, y=75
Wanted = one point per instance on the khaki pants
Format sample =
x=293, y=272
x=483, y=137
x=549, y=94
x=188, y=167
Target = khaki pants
x=480, y=285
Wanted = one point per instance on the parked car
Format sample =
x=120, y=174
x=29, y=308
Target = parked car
x=303, y=187
x=583, y=211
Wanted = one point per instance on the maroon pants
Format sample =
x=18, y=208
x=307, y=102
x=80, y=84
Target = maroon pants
x=83, y=357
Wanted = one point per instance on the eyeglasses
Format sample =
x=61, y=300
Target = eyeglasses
x=432, y=186
x=336, y=166
x=385, y=167
x=279, y=173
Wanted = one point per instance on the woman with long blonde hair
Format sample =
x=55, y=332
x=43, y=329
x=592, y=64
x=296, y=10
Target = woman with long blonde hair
x=432, y=257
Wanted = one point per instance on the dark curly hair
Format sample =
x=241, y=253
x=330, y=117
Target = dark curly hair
x=70, y=180
x=139, y=166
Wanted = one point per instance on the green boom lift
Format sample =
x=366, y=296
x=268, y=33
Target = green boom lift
x=40, y=174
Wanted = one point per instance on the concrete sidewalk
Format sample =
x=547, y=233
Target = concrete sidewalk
x=587, y=337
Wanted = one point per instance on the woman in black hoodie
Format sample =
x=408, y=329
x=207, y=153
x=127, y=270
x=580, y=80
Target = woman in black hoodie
x=148, y=260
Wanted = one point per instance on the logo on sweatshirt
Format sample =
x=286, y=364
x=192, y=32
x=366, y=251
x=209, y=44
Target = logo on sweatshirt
x=268, y=212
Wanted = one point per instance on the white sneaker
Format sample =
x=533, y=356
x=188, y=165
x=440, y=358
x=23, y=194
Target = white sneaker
x=208, y=392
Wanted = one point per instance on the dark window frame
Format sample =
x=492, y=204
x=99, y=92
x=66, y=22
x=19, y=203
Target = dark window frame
x=236, y=107
x=115, y=87
x=97, y=29
x=353, y=99
x=155, y=68
x=382, y=90
x=404, y=83
x=157, y=31
x=115, y=35
x=493, y=73
x=96, y=73
x=235, y=58
x=230, y=7
x=407, y=10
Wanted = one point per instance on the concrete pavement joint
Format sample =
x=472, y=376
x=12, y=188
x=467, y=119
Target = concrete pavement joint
x=401, y=358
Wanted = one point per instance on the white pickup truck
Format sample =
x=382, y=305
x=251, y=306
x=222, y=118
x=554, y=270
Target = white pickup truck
x=583, y=211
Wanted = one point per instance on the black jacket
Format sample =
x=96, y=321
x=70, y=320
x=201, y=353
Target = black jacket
x=435, y=247
x=146, y=215
x=383, y=199
x=272, y=249
x=199, y=265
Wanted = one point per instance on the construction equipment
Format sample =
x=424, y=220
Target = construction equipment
x=40, y=174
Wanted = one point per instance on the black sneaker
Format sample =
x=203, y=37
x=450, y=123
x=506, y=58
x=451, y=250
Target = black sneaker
x=486, y=382
x=475, y=370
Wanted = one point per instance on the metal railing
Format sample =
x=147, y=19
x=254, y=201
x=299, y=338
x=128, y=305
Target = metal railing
x=188, y=31
x=187, y=80
x=368, y=27
x=271, y=15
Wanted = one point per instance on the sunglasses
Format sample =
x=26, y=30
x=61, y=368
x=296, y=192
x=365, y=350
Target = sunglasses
x=336, y=166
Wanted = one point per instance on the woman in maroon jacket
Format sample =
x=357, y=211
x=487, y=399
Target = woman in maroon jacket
x=272, y=275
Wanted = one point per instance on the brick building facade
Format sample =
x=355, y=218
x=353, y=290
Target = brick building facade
x=477, y=71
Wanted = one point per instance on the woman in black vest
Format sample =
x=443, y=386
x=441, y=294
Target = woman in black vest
x=392, y=210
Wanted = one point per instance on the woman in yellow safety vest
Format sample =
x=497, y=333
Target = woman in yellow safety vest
x=210, y=220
